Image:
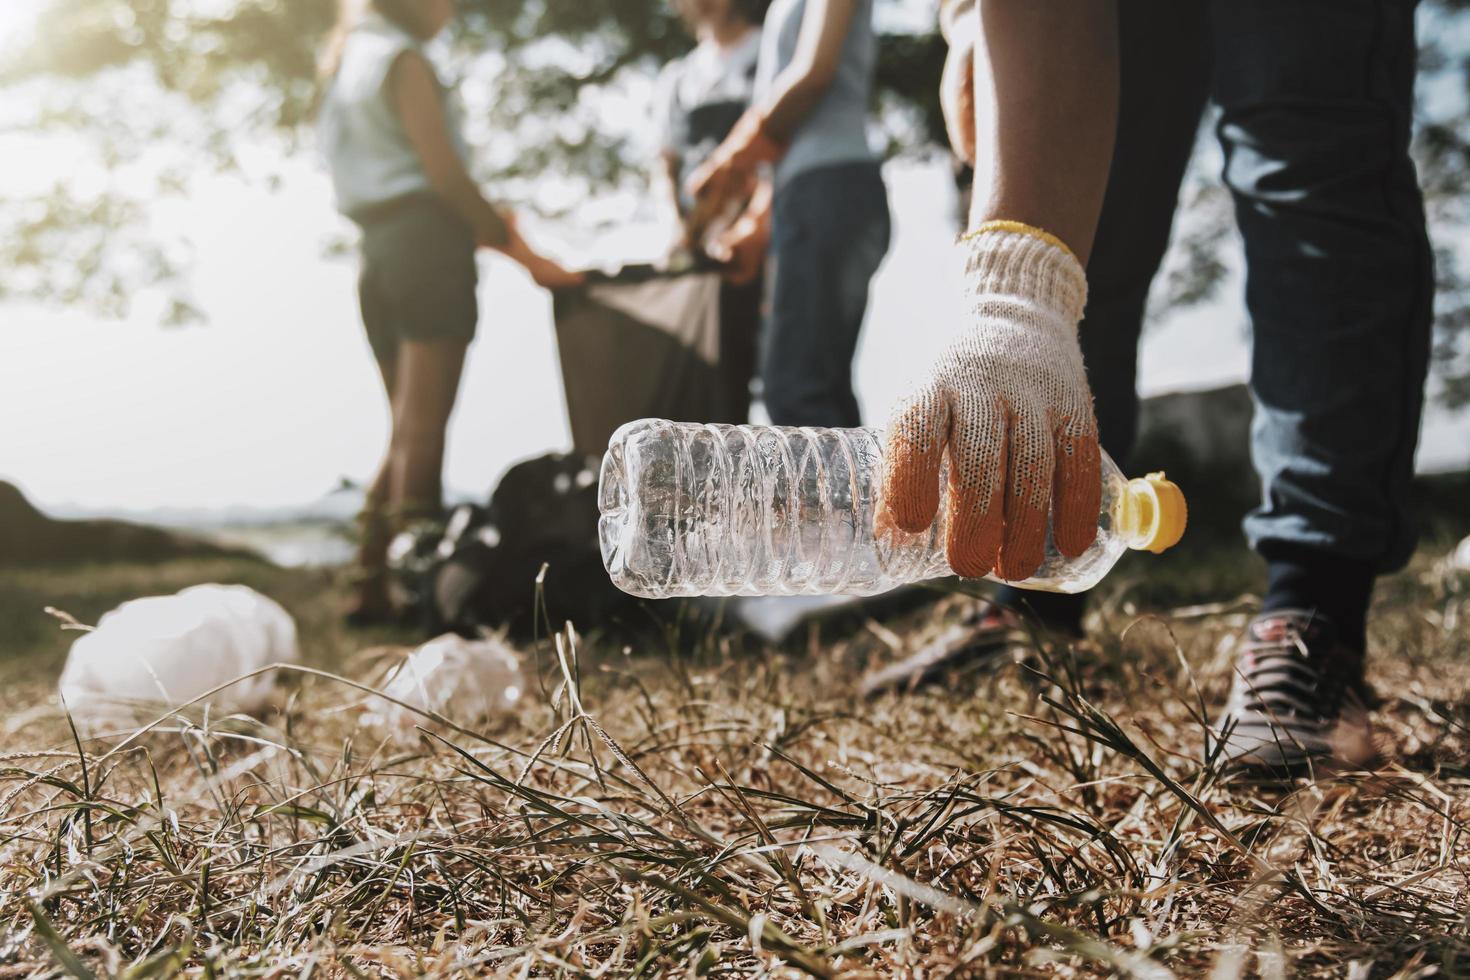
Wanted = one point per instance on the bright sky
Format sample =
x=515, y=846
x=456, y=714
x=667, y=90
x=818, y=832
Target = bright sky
x=17, y=15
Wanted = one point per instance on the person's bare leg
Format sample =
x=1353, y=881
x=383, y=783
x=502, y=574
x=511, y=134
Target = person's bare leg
x=426, y=387
x=377, y=492
x=371, y=599
x=1046, y=111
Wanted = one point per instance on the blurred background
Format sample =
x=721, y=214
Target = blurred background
x=179, y=336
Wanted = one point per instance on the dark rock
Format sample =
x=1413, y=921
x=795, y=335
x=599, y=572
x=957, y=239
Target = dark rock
x=29, y=537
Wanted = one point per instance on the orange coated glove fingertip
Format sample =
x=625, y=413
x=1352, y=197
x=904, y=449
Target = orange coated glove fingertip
x=967, y=566
x=1074, y=542
x=909, y=511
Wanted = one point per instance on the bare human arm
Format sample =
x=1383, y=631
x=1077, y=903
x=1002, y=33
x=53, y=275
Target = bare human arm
x=415, y=96
x=666, y=177
x=417, y=101
x=1044, y=138
x=666, y=187
x=763, y=132
x=1047, y=136
x=960, y=24
x=742, y=247
x=800, y=85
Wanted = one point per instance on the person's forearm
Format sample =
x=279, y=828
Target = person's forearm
x=1046, y=98
x=801, y=84
x=792, y=98
x=463, y=195
x=420, y=110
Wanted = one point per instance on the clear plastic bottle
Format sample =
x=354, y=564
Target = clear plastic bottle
x=710, y=510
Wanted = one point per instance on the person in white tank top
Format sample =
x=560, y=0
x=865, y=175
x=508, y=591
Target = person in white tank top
x=391, y=136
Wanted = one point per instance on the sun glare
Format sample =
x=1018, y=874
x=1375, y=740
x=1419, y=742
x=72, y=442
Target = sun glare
x=17, y=17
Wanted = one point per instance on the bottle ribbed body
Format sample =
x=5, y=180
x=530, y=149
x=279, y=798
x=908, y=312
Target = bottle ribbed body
x=690, y=509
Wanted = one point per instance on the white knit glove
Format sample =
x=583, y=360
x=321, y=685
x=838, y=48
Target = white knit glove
x=1009, y=400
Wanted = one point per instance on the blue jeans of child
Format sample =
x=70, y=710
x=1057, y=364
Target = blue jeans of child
x=829, y=233
x=1315, y=100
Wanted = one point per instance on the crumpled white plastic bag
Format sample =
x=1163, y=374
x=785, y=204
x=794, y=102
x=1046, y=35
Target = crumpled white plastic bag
x=466, y=681
x=167, y=650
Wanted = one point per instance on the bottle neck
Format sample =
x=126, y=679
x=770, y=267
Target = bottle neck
x=1137, y=519
x=1152, y=513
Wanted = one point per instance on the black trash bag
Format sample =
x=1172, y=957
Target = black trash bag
x=415, y=554
x=544, y=512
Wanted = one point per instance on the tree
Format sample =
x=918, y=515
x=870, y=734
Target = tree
x=161, y=90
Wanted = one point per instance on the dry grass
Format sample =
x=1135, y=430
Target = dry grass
x=703, y=806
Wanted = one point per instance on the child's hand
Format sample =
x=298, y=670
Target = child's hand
x=545, y=272
x=729, y=175
x=550, y=274
x=741, y=249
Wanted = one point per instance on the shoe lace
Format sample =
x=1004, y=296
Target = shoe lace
x=1276, y=675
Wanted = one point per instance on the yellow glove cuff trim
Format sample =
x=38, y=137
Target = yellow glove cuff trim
x=1019, y=228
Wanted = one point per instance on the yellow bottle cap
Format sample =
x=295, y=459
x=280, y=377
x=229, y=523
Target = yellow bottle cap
x=1161, y=513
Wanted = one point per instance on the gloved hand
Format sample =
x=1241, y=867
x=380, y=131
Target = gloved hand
x=1008, y=399
x=729, y=175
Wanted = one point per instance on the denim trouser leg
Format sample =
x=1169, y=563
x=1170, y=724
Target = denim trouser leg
x=829, y=233
x=1165, y=77
x=1316, y=99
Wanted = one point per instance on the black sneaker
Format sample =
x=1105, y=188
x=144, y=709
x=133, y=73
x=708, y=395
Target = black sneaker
x=1298, y=700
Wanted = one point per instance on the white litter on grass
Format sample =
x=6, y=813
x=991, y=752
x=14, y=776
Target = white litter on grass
x=774, y=617
x=165, y=651
x=1461, y=558
x=466, y=681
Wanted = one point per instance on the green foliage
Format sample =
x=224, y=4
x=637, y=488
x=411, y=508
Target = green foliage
x=175, y=88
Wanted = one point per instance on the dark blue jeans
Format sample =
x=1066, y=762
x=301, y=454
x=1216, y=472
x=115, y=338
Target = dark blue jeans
x=1315, y=100
x=829, y=233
